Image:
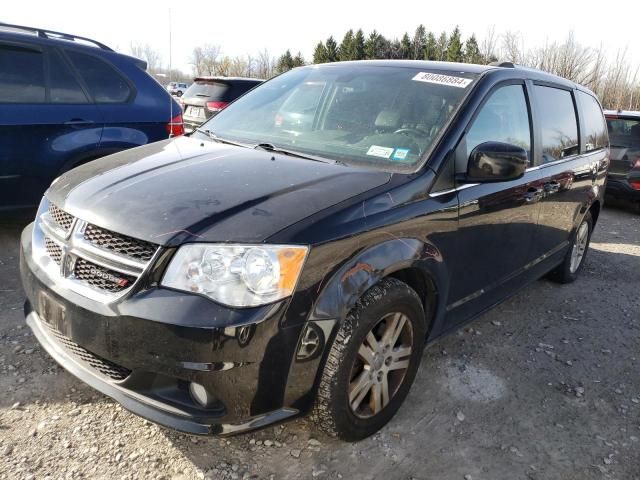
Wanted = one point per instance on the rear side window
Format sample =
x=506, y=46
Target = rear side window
x=63, y=86
x=21, y=75
x=558, y=123
x=503, y=118
x=105, y=84
x=594, y=128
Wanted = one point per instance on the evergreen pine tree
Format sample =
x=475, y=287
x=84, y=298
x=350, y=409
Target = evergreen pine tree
x=371, y=46
x=405, y=46
x=358, y=45
x=431, y=48
x=285, y=62
x=393, y=49
x=454, y=47
x=472, y=51
x=345, y=51
x=419, y=42
x=320, y=53
x=441, y=46
x=298, y=60
x=332, y=50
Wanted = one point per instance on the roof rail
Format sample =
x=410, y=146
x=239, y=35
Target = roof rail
x=503, y=64
x=51, y=34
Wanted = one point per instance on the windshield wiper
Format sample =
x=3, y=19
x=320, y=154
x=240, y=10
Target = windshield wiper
x=270, y=147
x=216, y=138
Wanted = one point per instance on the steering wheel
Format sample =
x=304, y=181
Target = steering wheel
x=410, y=131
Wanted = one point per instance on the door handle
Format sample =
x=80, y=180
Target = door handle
x=79, y=121
x=533, y=195
x=551, y=187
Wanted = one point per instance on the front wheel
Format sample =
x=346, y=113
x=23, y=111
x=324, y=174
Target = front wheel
x=573, y=262
x=372, y=362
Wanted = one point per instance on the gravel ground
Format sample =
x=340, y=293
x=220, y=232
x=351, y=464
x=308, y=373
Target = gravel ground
x=545, y=386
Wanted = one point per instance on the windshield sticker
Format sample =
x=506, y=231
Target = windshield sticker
x=377, y=151
x=442, y=79
x=400, y=154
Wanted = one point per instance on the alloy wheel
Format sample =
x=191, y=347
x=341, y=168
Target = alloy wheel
x=579, y=247
x=381, y=365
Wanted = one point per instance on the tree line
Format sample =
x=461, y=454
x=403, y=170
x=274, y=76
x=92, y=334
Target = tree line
x=422, y=45
x=612, y=77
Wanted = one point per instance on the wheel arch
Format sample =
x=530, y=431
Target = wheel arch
x=414, y=262
x=595, y=211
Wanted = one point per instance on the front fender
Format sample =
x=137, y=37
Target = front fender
x=341, y=292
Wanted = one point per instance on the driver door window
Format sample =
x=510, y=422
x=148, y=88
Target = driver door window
x=503, y=118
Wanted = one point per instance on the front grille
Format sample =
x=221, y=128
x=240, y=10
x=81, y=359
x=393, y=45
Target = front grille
x=53, y=250
x=102, y=278
x=120, y=244
x=105, y=367
x=62, y=218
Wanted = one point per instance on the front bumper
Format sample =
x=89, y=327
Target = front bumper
x=145, y=349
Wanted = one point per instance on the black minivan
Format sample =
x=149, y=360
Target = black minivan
x=261, y=269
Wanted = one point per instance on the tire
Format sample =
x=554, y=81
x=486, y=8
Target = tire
x=179, y=93
x=567, y=272
x=382, y=307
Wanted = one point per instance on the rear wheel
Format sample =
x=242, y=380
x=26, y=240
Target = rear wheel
x=573, y=262
x=372, y=362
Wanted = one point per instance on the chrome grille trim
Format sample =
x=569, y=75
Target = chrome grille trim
x=119, y=244
x=53, y=249
x=63, y=219
x=57, y=252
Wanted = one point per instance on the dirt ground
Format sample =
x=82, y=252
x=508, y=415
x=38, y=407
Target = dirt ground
x=545, y=386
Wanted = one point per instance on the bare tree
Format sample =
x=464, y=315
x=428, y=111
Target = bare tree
x=489, y=45
x=153, y=58
x=205, y=59
x=512, y=47
x=265, y=64
x=148, y=54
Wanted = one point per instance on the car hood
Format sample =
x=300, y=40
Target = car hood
x=184, y=189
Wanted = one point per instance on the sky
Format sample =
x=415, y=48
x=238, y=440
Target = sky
x=248, y=26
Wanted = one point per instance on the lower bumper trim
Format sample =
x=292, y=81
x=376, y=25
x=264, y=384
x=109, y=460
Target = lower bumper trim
x=165, y=415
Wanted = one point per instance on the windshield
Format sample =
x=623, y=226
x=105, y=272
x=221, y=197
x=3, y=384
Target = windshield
x=381, y=116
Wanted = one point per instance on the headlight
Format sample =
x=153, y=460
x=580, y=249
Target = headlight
x=236, y=275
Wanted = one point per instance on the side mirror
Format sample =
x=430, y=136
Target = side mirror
x=496, y=162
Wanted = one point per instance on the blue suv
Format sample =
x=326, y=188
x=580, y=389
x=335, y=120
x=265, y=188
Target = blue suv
x=66, y=100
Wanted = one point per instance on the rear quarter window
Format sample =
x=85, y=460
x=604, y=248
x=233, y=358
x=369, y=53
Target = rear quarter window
x=105, y=84
x=21, y=75
x=594, y=128
x=558, y=123
x=63, y=86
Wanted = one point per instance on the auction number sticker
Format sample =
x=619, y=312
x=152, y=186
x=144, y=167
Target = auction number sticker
x=442, y=79
x=377, y=151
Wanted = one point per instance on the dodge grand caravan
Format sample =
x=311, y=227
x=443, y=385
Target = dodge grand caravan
x=259, y=269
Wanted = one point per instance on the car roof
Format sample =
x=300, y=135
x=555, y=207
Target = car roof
x=519, y=70
x=622, y=113
x=36, y=36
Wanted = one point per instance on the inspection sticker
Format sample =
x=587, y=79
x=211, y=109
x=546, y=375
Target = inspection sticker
x=377, y=151
x=400, y=154
x=442, y=79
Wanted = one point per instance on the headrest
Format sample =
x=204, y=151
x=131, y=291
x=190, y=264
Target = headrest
x=388, y=119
